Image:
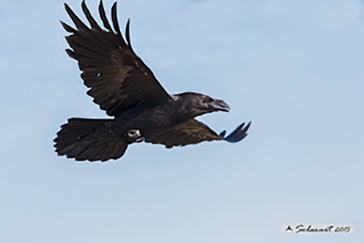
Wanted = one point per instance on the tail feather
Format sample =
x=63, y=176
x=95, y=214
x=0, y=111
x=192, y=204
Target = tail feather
x=89, y=139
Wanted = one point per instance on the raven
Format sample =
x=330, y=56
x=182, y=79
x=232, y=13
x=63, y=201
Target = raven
x=122, y=85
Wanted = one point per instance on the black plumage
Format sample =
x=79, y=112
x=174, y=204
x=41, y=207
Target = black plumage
x=122, y=85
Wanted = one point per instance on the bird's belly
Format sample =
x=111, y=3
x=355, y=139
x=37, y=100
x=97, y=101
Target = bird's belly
x=147, y=122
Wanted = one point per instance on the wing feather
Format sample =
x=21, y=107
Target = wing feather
x=194, y=132
x=118, y=79
x=115, y=19
x=79, y=24
x=103, y=16
x=89, y=17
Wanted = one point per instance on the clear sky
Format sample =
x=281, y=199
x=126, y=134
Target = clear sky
x=294, y=68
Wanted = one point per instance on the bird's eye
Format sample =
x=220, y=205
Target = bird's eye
x=208, y=100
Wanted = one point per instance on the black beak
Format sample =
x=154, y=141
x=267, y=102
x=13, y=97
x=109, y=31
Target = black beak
x=220, y=105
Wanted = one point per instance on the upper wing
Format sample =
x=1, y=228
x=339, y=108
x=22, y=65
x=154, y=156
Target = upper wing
x=118, y=78
x=193, y=132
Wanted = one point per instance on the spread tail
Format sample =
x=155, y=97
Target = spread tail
x=89, y=139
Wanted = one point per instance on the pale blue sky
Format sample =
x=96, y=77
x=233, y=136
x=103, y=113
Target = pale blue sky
x=295, y=68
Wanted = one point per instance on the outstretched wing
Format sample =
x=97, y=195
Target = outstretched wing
x=118, y=78
x=193, y=132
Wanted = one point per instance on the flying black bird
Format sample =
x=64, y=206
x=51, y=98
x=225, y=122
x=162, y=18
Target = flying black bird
x=122, y=85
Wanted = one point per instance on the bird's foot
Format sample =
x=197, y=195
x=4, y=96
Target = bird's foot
x=134, y=136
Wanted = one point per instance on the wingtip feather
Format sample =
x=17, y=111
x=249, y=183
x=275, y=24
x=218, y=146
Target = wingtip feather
x=103, y=16
x=115, y=18
x=68, y=28
x=79, y=24
x=127, y=34
x=89, y=17
x=238, y=134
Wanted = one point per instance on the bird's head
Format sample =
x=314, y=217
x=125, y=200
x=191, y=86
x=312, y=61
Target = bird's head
x=198, y=104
